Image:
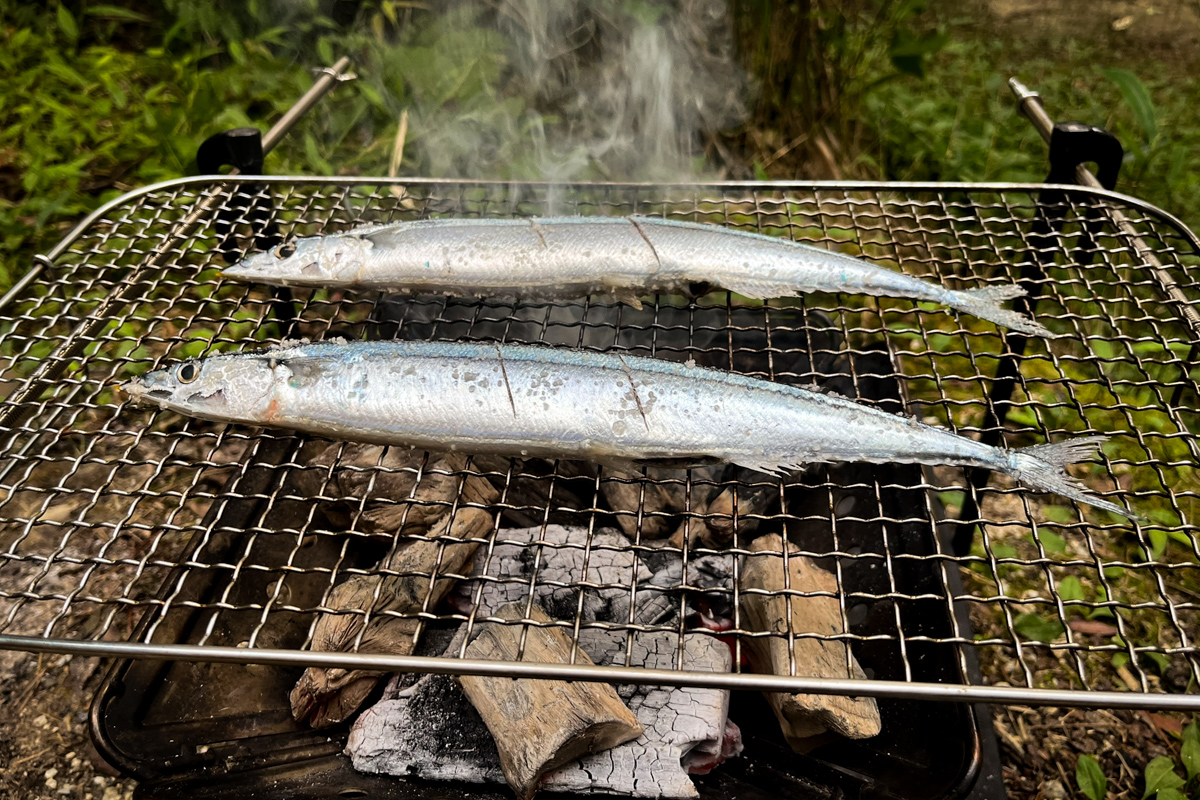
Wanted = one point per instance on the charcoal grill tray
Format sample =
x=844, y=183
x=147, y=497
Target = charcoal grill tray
x=104, y=502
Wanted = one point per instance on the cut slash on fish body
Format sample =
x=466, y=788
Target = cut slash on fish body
x=578, y=256
x=518, y=400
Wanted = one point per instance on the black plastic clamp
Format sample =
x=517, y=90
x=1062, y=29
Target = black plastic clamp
x=1074, y=143
x=250, y=204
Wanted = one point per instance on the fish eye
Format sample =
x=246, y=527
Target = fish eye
x=285, y=250
x=187, y=372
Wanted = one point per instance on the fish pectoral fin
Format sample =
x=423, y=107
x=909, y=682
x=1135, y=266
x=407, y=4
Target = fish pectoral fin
x=678, y=462
x=626, y=295
x=779, y=466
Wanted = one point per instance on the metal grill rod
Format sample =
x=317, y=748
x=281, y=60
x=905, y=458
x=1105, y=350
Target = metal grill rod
x=945, y=692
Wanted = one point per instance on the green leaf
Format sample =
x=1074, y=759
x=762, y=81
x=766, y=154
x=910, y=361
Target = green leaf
x=1159, y=660
x=1190, y=756
x=1037, y=628
x=1004, y=551
x=1170, y=794
x=908, y=51
x=1053, y=543
x=1160, y=774
x=1138, y=100
x=1090, y=778
x=1060, y=514
x=115, y=12
x=1158, y=542
x=1070, y=588
x=66, y=23
x=1191, y=733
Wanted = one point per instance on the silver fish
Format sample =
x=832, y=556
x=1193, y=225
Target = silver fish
x=519, y=400
x=578, y=256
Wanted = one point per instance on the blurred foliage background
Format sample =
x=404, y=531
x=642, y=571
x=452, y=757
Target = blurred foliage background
x=99, y=98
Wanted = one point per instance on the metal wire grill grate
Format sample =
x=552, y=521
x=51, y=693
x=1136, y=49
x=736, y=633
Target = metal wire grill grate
x=118, y=522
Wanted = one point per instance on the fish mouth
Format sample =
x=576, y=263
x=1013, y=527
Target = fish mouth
x=297, y=275
x=139, y=392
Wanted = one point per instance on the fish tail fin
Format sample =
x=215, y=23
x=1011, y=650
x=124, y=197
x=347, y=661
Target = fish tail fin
x=985, y=304
x=1041, y=467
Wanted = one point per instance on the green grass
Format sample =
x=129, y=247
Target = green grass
x=961, y=124
x=99, y=101
x=106, y=98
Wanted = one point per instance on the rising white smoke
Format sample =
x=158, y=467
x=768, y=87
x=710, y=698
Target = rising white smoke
x=584, y=89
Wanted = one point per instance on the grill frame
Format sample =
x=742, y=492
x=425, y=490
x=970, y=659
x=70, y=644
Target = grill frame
x=21, y=439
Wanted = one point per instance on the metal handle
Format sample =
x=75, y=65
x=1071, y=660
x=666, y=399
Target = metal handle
x=329, y=77
x=1030, y=104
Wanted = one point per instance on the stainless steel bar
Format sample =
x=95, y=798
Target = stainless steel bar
x=1030, y=103
x=329, y=78
x=954, y=693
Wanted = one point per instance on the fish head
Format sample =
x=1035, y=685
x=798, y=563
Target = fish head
x=225, y=388
x=312, y=261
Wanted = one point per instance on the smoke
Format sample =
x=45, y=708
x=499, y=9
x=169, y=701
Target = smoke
x=570, y=89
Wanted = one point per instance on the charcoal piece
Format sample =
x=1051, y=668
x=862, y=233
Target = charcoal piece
x=659, y=497
x=428, y=730
x=402, y=586
x=537, y=491
x=539, y=725
x=709, y=592
x=555, y=559
x=684, y=725
x=752, y=496
x=431, y=731
x=795, y=603
x=384, y=480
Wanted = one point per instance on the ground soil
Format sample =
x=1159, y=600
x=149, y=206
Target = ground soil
x=1163, y=32
x=1041, y=746
x=44, y=742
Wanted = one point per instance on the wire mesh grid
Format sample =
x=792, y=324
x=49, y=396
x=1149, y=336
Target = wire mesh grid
x=123, y=523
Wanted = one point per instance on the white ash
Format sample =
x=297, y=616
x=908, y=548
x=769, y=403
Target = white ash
x=685, y=726
x=506, y=573
x=555, y=561
x=430, y=730
x=710, y=584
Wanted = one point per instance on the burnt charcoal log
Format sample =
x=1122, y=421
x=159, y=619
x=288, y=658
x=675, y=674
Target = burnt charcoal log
x=430, y=730
x=780, y=602
x=539, y=725
x=401, y=586
x=577, y=573
x=397, y=488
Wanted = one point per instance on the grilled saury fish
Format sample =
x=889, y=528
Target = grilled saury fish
x=537, y=401
x=578, y=256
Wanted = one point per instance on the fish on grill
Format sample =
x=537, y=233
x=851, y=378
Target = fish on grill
x=578, y=256
x=543, y=402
